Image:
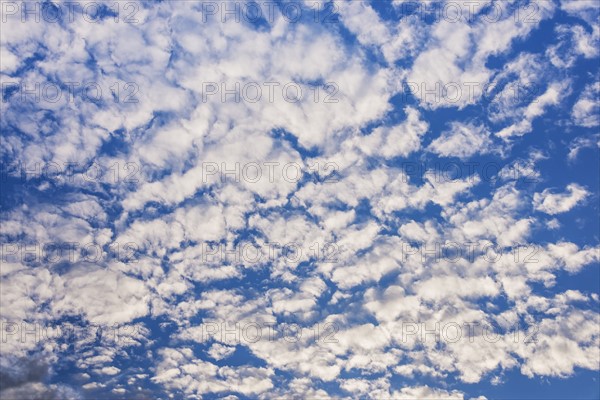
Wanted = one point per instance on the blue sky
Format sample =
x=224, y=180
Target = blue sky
x=300, y=199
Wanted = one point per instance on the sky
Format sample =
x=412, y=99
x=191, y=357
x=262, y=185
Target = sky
x=300, y=199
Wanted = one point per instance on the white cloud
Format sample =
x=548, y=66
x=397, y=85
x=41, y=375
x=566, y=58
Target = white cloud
x=400, y=140
x=219, y=351
x=581, y=143
x=551, y=97
x=557, y=203
x=462, y=141
x=453, y=65
x=587, y=108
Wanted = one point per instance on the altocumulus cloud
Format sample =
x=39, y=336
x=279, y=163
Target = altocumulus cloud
x=300, y=199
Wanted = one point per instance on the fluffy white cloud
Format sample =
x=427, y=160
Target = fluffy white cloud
x=587, y=108
x=462, y=141
x=551, y=97
x=557, y=203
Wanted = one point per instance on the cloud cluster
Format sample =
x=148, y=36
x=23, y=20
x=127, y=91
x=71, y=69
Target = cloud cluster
x=257, y=176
